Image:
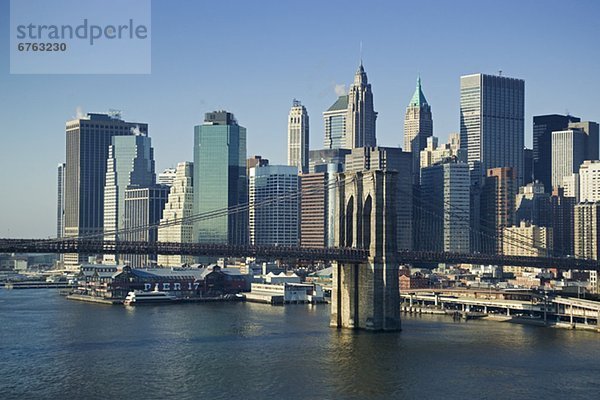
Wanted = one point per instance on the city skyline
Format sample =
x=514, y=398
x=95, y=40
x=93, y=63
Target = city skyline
x=174, y=97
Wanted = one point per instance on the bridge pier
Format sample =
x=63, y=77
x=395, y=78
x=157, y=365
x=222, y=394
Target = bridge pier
x=366, y=295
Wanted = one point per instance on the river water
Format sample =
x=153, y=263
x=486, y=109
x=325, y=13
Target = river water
x=53, y=348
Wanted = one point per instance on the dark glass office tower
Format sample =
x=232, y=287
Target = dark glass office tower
x=543, y=126
x=88, y=140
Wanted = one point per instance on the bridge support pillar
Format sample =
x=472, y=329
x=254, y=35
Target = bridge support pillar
x=366, y=295
x=364, y=298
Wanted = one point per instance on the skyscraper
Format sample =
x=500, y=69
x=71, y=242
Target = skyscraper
x=361, y=116
x=298, y=137
x=130, y=163
x=335, y=123
x=445, y=197
x=175, y=227
x=562, y=222
x=220, y=180
x=313, y=209
x=543, y=126
x=60, y=201
x=568, y=153
x=87, y=143
x=418, y=126
x=143, y=208
x=275, y=223
x=589, y=181
x=498, y=207
x=591, y=130
x=492, y=127
x=586, y=232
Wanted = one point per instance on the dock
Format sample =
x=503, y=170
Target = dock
x=516, y=307
x=37, y=285
x=93, y=299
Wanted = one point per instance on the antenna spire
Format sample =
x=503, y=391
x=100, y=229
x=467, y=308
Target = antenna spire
x=361, y=50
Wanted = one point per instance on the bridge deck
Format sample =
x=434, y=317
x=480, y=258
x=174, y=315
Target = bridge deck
x=344, y=255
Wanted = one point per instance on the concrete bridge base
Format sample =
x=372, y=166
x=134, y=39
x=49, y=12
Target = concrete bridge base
x=365, y=296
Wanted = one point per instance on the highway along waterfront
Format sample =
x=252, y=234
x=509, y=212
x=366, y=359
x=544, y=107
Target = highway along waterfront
x=53, y=348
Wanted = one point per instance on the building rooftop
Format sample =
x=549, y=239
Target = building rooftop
x=340, y=104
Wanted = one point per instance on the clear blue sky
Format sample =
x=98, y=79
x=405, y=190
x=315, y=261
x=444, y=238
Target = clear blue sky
x=253, y=57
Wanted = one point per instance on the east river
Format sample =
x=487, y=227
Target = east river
x=53, y=348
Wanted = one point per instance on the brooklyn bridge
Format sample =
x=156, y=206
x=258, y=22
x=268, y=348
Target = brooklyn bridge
x=366, y=257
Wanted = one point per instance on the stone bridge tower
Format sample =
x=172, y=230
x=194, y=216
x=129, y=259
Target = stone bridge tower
x=366, y=296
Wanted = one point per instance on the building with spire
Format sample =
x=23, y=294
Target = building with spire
x=418, y=126
x=298, y=137
x=360, y=115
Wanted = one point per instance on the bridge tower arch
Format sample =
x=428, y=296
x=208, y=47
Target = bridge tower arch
x=366, y=295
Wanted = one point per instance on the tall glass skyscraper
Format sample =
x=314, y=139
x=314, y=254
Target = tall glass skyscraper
x=87, y=143
x=220, y=180
x=276, y=223
x=130, y=163
x=492, y=130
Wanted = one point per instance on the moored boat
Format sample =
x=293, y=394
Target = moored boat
x=140, y=297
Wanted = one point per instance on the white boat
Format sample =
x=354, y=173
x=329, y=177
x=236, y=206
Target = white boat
x=139, y=297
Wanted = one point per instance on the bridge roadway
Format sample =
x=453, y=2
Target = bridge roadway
x=342, y=255
x=193, y=249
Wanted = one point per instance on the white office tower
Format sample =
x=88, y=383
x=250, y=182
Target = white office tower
x=589, y=181
x=298, y=137
x=274, y=206
x=179, y=206
x=568, y=153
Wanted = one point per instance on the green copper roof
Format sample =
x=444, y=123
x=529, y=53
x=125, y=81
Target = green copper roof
x=340, y=104
x=418, y=98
